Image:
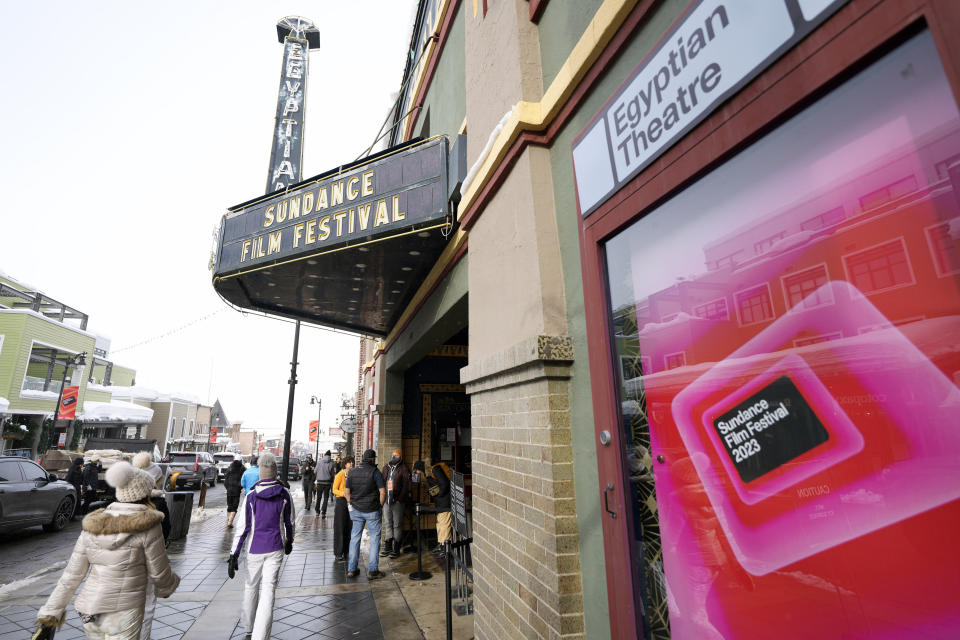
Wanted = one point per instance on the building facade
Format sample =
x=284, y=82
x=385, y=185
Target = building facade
x=689, y=333
x=41, y=341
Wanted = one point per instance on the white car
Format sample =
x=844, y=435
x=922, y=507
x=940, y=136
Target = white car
x=224, y=460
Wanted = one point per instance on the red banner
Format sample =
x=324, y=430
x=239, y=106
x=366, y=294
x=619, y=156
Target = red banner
x=314, y=430
x=213, y=433
x=68, y=404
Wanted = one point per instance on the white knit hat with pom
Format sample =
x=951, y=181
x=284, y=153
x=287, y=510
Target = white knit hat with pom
x=131, y=483
x=144, y=460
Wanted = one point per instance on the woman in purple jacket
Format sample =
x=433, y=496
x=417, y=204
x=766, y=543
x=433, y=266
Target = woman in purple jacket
x=269, y=526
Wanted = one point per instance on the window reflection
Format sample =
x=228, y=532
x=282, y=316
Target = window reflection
x=796, y=319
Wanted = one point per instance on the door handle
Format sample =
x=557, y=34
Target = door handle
x=606, y=503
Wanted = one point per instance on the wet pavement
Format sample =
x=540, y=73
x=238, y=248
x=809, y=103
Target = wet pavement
x=315, y=599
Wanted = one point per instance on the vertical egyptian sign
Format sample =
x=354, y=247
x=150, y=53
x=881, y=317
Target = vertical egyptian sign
x=287, y=152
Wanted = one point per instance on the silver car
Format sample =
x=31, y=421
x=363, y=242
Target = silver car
x=30, y=496
x=224, y=460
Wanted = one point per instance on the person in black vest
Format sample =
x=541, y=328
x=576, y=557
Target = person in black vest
x=365, y=492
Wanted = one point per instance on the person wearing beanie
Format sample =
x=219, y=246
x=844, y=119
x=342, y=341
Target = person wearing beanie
x=365, y=492
x=396, y=477
x=144, y=461
x=268, y=523
x=119, y=549
x=326, y=470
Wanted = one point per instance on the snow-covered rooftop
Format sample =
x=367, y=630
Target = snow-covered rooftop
x=132, y=393
x=115, y=411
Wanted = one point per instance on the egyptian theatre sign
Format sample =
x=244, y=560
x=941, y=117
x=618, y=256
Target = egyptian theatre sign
x=346, y=248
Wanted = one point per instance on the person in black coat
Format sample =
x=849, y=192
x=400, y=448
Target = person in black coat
x=75, y=477
x=90, y=480
x=231, y=480
x=438, y=483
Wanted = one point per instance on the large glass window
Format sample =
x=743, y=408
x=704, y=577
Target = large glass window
x=793, y=428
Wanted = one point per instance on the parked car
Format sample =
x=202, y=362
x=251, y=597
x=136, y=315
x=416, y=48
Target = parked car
x=29, y=496
x=224, y=460
x=194, y=467
x=293, y=471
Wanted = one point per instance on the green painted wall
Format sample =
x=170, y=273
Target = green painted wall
x=123, y=376
x=448, y=90
x=11, y=328
x=589, y=504
x=560, y=27
x=21, y=330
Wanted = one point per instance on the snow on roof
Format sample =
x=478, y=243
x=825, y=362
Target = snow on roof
x=180, y=396
x=39, y=395
x=133, y=393
x=4, y=405
x=115, y=411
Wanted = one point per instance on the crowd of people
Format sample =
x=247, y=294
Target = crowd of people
x=120, y=556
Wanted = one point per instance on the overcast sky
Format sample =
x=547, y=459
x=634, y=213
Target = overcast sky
x=127, y=128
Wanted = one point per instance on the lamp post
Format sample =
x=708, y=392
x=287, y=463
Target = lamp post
x=78, y=360
x=315, y=400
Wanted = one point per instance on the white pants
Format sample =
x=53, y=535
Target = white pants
x=263, y=572
x=120, y=625
x=150, y=605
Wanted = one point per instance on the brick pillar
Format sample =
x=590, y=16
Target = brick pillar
x=525, y=550
x=389, y=418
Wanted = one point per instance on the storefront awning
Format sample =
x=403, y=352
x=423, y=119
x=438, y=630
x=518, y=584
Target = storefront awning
x=345, y=249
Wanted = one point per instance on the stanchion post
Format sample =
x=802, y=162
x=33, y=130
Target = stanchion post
x=420, y=574
x=446, y=592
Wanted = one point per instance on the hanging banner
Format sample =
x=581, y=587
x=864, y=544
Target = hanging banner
x=68, y=404
x=314, y=430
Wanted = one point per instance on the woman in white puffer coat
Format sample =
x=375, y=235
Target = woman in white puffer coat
x=121, y=546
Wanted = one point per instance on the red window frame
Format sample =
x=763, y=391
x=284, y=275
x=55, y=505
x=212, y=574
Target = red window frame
x=845, y=42
x=880, y=268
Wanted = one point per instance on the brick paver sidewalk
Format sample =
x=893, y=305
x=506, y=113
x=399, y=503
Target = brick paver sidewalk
x=315, y=599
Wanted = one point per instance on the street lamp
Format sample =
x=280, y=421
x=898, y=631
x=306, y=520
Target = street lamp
x=315, y=400
x=78, y=360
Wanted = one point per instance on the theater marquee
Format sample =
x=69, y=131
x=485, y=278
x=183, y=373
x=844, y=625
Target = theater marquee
x=383, y=214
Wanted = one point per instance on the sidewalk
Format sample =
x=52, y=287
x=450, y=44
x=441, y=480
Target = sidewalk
x=315, y=599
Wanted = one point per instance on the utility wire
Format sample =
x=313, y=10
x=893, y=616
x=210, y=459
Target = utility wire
x=396, y=104
x=168, y=333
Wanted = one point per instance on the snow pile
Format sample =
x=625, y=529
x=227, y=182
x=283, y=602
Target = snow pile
x=41, y=395
x=116, y=411
x=39, y=583
x=4, y=404
x=199, y=515
x=93, y=386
